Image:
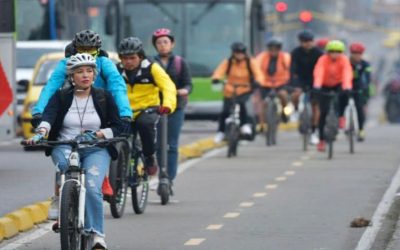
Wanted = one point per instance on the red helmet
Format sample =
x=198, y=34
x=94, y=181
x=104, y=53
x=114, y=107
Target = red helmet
x=160, y=33
x=322, y=42
x=357, y=48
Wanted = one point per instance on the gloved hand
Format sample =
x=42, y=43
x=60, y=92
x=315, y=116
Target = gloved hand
x=88, y=135
x=346, y=92
x=164, y=110
x=215, y=81
x=36, y=119
x=35, y=139
x=127, y=125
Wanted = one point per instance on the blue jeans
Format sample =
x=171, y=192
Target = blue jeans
x=175, y=122
x=96, y=162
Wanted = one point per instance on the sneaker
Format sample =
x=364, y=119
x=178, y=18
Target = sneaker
x=361, y=135
x=246, y=129
x=219, y=137
x=150, y=165
x=98, y=242
x=321, y=146
x=314, y=139
x=54, y=208
x=342, y=122
x=106, y=187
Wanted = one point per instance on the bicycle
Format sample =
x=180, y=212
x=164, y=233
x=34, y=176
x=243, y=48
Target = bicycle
x=164, y=185
x=305, y=122
x=73, y=192
x=351, y=121
x=331, y=128
x=274, y=108
x=232, y=131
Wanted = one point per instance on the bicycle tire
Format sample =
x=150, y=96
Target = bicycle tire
x=118, y=180
x=164, y=191
x=233, y=138
x=305, y=141
x=70, y=236
x=330, y=149
x=272, y=124
x=140, y=187
x=351, y=133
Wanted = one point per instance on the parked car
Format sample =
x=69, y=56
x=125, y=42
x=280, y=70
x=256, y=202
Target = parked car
x=42, y=72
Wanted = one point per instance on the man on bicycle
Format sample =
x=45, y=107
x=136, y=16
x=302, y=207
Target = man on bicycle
x=238, y=69
x=145, y=82
x=361, y=81
x=332, y=72
x=302, y=66
x=275, y=66
x=108, y=77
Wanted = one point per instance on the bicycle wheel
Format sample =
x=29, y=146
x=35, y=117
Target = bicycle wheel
x=305, y=141
x=233, y=138
x=118, y=180
x=351, y=133
x=140, y=186
x=330, y=149
x=272, y=124
x=69, y=217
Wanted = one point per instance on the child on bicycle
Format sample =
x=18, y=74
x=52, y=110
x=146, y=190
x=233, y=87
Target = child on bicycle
x=275, y=67
x=332, y=72
x=179, y=72
x=145, y=82
x=361, y=82
x=88, y=113
x=239, y=69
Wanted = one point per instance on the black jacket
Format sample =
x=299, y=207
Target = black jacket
x=182, y=80
x=104, y=103
x=302, y=66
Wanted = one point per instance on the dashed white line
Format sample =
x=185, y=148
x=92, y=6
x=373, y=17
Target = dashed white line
x=271, y=186
x=231, y=215
x=214, y=227
x=246, y=204
x=289, y=173
x=258, y=195
x=281, y=178
x=297, y=164
x=305, y=157
x=194, y=242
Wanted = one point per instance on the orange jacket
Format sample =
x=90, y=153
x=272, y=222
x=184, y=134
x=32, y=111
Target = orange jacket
x=282, y=74
x=238, y=74
x=329, y=73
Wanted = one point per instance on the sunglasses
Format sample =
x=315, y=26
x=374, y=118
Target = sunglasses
x=335, y=51
x=91, y=51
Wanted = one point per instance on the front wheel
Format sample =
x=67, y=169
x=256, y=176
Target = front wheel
x=351, y=134
x=306, y=138
x=330, y=149
x=139, y=186
x=69, y=217
x=164, y=191
x=272, y=124
x=233, y=139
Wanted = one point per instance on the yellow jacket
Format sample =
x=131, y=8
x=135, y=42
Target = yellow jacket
x=150, y=80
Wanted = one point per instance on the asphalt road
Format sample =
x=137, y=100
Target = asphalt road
x=266, y=198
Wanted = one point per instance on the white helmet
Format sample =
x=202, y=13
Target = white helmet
x=78, y=60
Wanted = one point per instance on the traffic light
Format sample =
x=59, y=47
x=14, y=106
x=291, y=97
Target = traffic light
x=305, y=16
x=281, y=7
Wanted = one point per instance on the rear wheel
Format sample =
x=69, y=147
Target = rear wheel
x=140, y=187
x=330, y=149
x=351, y=133
x=69, y=217
x=233, y=139
x=272, y=124
x=118, y=180
x=306, y=138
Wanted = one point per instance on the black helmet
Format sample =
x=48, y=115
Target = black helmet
x=274, y=43
x=130, y=45
x=238, y=47
x=306, y=35
x=87, y=38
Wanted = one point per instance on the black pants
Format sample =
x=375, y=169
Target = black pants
x=359, y=100
x=324, y=103
x=226, y=109
x=146, y=125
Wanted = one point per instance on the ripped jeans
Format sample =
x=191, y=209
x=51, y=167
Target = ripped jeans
x=96, y=161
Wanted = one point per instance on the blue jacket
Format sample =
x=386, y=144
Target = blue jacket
x=106, y=71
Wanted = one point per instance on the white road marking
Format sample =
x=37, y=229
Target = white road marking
x=246, y=204
x=231, y=215
x=214, y=227
x=305, y=157
x=371, y=232
x=281, y=178
x=194, y=242
x=258, y=195
x=297, y=164
x=38, y=233
x=290, y=173
x=30, y=236
x=271, y=186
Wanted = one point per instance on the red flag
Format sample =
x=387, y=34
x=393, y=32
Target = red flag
x=6, y=95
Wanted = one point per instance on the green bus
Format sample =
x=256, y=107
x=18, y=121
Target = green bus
x=204, y=30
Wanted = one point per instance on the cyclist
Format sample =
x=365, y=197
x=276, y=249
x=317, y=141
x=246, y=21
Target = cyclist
x=322, y=42
x=178, y=70
x=275, y=66
x=145, y=81
x=303, y=62
x=108, y=77
x=331, y=73
x=85, y=113
x=361, y=82
x=239, y=68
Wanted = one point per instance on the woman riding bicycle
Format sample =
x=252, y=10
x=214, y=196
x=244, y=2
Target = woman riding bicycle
x=238, y=69
x=332, y=72
x=87, y=113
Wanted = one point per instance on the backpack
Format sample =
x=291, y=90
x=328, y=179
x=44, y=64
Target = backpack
x=178, y=65
x=248, y=65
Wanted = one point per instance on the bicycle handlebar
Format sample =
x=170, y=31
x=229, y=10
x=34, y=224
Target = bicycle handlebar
x=75, y=142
